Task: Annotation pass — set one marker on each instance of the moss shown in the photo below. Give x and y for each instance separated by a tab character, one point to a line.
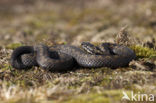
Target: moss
6	67
143	52
106	81
13	46
104	97
21	101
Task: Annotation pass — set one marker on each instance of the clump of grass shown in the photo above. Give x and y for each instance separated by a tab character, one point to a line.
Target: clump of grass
123	37
13	45
143	52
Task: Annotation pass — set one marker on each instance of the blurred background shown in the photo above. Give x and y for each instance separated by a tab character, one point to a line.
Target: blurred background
74	21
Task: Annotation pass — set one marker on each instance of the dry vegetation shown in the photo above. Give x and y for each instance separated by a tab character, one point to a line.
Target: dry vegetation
74	21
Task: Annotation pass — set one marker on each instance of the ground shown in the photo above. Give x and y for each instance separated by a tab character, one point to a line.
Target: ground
131	22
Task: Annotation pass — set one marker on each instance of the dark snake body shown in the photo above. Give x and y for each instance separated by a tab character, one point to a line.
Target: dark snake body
62	57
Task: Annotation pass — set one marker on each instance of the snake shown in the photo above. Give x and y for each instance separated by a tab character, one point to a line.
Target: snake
63	57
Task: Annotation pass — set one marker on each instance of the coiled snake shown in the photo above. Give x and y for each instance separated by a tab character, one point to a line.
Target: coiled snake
62	57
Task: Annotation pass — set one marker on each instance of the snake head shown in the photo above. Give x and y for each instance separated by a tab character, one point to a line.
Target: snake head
92	49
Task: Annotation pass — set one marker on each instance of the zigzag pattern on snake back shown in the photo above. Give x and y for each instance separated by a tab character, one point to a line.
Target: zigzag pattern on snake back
63	57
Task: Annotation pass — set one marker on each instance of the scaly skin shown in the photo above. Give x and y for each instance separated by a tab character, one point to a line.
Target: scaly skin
63	57
123	55
18	56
